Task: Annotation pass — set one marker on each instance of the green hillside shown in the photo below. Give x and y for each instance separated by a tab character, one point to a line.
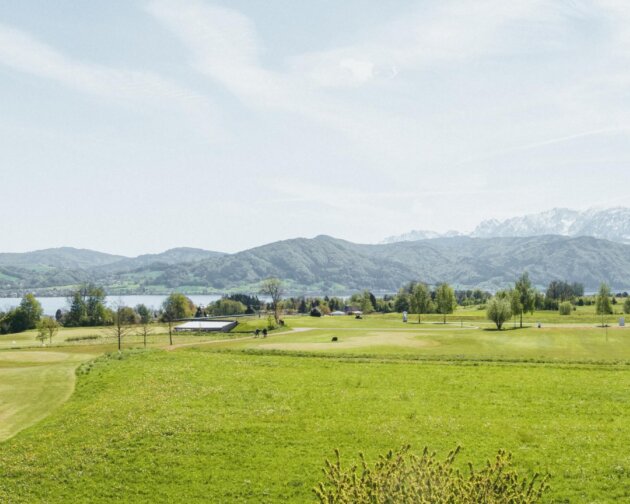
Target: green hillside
329	265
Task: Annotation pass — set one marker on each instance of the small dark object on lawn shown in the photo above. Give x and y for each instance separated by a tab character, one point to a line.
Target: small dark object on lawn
264	333
358	317
257	333
281	322
334	338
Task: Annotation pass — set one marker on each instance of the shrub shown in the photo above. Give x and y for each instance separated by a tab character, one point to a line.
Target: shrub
565	308
315	312
626	305
406	478
82	338
271	323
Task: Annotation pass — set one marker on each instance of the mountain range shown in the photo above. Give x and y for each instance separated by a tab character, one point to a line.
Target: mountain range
609	224
326	265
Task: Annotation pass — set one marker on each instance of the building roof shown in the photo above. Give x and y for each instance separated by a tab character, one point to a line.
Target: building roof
207	325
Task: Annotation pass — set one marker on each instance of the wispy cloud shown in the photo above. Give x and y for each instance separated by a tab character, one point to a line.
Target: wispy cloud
225	47
22	52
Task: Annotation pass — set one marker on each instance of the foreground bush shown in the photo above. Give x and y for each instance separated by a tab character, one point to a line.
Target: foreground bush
403	477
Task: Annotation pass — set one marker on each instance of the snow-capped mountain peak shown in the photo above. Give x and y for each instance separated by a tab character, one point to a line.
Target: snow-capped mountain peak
608	223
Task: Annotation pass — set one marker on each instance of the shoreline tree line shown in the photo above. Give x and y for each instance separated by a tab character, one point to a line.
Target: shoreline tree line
87	306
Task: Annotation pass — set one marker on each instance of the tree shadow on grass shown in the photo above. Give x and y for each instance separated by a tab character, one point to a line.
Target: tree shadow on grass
504	329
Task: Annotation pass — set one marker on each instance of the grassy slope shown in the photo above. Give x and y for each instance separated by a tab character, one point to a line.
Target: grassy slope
32	384
191	426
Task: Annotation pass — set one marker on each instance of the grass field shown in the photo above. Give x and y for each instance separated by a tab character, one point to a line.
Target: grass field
252	420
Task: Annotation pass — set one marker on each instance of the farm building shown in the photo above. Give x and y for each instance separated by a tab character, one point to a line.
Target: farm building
207	326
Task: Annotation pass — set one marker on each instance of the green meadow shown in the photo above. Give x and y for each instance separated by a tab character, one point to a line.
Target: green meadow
231	418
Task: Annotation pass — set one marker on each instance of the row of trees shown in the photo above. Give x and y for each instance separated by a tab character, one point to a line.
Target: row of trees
522	299
87	305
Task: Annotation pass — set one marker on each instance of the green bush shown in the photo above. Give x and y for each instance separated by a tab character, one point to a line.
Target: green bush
403	477
565	308
626	306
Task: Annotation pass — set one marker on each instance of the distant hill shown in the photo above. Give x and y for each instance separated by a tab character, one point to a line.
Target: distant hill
64	257
55	271
172	256
609	224
329	265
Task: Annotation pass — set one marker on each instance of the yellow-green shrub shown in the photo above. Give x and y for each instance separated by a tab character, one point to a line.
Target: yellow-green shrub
403	477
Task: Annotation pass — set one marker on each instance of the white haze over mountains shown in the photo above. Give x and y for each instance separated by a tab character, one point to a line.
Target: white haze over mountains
609	224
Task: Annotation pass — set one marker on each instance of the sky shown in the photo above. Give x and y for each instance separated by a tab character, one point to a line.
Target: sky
134	126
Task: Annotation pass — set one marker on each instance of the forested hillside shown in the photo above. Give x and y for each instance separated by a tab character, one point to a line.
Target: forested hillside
326	264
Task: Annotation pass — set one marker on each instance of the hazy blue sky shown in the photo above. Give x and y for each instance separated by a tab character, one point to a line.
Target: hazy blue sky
133	126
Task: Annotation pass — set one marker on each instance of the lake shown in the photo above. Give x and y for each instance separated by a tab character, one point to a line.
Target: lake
52	304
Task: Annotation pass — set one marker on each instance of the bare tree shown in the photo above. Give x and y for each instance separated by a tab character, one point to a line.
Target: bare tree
272	287
169	317
146	318
47	327
123	317
145	329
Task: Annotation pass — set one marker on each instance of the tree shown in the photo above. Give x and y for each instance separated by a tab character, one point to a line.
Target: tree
87	307
626	306
302	307
144	314
366	302
96	312
175	307
25	316
31	311
445	300
145	319
47	327
499	310
272	287
179	306
602	302
123	317
41	337
420	299
78	312
526	296
515	303
402	301
227	306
